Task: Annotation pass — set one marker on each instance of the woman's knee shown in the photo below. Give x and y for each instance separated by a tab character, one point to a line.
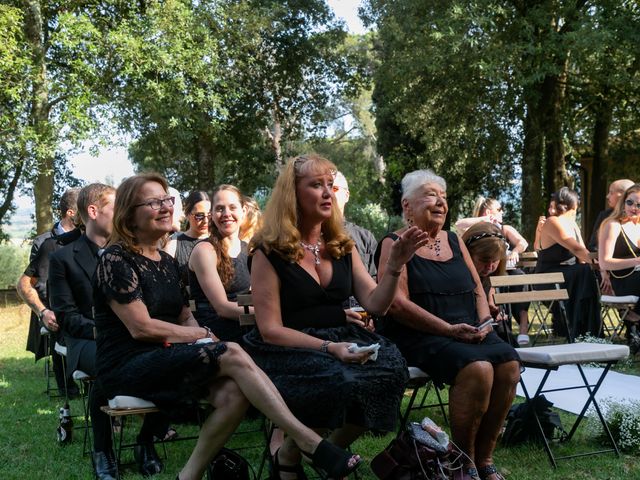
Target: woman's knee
507	373
476	379
235	357
226	393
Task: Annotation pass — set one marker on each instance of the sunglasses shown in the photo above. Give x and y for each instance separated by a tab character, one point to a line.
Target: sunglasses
201	216
630	203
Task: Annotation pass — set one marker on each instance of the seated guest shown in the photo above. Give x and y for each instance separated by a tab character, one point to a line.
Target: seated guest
619	253
252	218
488	249
551	210
71	295
434	321
616	190
303	267
150	346
563	250
197	209
218	269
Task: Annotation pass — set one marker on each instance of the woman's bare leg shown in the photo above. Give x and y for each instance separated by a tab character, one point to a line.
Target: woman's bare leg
345	436
230	406
506	376
468	402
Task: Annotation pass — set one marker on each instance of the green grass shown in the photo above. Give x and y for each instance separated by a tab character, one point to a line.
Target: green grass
29	450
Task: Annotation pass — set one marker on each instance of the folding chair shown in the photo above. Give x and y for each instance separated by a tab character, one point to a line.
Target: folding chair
48	370
614	310
419	379
542	313
550	358
86	384
527	261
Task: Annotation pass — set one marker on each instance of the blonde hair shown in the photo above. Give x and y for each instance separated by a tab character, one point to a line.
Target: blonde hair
486	242
252	218
280	231
618	214
481	206
124	209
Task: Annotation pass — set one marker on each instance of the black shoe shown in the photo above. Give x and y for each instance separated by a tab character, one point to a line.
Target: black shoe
147	459
104	465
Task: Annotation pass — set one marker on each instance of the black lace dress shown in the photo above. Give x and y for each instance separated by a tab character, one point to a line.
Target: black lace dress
168	375
320	390
227	329
626	281
583	306
445	289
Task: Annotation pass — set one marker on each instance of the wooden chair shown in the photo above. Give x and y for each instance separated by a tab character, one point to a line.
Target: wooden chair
614	310
536	297
550	357
527	261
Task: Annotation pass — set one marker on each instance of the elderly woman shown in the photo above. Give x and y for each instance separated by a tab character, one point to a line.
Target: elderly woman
619	253
563	250
304	266
434	321
218	269
150	346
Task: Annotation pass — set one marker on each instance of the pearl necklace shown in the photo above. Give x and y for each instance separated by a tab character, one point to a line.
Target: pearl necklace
315	249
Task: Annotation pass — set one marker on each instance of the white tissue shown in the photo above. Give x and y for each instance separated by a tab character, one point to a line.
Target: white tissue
373	348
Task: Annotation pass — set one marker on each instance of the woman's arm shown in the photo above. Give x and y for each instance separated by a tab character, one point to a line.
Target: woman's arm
517	241
607	237
463	224
141	326
554	229
203	261
377	299
408	313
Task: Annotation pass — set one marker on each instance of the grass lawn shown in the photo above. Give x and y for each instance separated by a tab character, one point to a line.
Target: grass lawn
29	450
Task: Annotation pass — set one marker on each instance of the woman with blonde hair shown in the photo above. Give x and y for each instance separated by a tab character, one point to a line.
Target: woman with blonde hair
333	373
619	253
150	346
252	218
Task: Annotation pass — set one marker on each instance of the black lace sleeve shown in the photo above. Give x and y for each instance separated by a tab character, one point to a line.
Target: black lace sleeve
117	277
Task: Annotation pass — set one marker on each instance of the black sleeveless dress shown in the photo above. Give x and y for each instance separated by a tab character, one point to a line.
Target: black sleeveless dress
184	246
320	390
627	281
226	329
169	375
445	289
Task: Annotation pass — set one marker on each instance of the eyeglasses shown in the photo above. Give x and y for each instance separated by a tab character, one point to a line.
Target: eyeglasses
157	203
201	216
630	203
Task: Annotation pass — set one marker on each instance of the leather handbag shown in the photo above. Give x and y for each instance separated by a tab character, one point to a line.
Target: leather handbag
229	465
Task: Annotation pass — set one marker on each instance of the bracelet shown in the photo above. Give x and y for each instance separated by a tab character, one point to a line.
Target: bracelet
41	314
209	332
395	273
324	348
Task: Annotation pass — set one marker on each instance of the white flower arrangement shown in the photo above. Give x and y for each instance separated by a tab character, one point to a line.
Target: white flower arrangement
623	419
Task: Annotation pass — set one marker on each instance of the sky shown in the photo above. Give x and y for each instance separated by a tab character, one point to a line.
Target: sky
112	164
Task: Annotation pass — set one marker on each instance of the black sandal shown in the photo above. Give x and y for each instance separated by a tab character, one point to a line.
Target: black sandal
334	461
489	470
277	468
470	473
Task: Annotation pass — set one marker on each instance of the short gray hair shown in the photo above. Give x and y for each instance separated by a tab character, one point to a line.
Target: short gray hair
414	180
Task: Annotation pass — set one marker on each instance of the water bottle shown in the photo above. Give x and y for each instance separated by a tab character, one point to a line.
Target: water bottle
65	428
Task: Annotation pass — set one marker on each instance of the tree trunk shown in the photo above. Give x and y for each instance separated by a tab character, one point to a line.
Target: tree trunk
533	197
44	144
206	163
553	97
276	140
596	200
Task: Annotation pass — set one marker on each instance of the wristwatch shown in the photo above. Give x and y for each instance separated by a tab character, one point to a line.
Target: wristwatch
41	314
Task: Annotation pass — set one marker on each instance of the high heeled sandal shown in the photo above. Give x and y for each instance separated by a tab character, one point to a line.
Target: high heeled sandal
298	469
489	470
470	473
334	461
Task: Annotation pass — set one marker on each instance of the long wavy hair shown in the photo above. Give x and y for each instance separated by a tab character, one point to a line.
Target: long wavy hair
485	242
618	214
252	218
280	231
124	210
219	242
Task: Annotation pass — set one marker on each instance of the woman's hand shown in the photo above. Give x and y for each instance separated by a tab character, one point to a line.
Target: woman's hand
467	333
405	246
513	258
341	352
363	321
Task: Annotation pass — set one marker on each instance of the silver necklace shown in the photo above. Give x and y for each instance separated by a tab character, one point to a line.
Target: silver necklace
315	249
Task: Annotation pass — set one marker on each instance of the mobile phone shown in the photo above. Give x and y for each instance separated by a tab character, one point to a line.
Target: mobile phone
488	323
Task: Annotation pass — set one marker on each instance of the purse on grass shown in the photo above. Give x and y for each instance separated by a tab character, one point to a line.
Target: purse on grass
229	465
406	458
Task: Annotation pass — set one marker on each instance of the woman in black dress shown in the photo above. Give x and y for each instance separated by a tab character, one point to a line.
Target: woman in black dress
150	346
619	252
434	321
303	268
218	269
563	250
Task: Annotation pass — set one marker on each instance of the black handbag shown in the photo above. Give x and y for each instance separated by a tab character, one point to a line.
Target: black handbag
229	465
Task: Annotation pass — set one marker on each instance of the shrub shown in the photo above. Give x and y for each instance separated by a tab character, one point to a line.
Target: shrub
623	420
13	260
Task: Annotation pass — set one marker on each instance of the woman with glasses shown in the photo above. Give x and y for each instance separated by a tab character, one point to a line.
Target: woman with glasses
333	373
619	253
197	209
150	346
562	249
218	269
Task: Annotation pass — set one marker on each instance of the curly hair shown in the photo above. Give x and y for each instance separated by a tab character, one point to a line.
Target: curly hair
124	209
486	242
280	232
